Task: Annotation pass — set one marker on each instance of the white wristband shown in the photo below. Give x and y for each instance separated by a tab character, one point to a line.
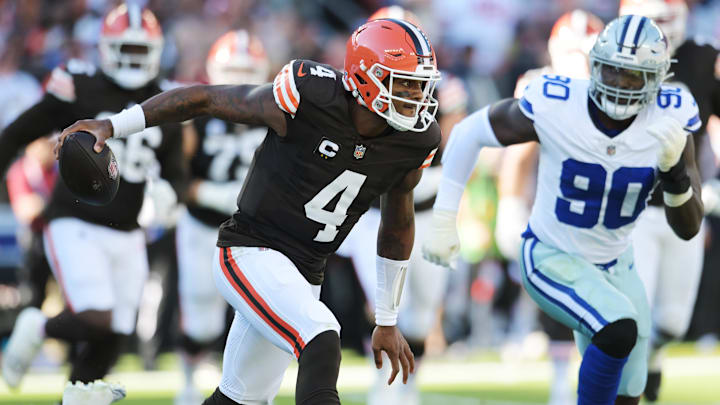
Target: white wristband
128	121
676	200
390	282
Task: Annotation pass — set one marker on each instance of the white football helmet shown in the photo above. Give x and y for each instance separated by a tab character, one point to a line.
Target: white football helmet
130	45
237	57
572	37
632	45
669	15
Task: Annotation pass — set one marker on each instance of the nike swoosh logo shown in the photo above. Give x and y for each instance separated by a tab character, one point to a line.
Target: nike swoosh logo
300	71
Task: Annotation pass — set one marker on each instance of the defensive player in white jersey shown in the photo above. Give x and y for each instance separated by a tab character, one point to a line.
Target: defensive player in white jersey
604	144
221	155
571	39
670	267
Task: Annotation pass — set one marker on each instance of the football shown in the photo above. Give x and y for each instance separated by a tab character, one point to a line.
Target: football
92	177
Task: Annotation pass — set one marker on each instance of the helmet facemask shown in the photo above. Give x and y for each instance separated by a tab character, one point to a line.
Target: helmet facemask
396	93
131	64
620	102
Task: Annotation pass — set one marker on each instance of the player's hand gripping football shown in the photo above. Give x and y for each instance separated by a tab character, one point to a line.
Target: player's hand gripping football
388	339
442	245
101	129
672	137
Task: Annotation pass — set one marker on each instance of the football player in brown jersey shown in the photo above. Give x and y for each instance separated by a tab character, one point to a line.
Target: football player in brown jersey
336	141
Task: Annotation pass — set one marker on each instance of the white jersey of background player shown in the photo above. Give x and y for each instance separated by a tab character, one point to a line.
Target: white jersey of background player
669	267
571	39
220	155
604	143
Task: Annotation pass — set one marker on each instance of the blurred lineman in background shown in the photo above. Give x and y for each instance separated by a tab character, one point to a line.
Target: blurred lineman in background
220	154
611	142
671	267
97	253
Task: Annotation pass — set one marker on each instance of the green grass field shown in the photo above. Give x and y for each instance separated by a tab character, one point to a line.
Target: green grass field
689	378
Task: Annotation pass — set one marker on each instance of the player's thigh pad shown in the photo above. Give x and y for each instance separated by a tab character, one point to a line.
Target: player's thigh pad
648	243
679	276
80	264
581	295
269	291
99	268
424	288
253	367
202	308
361	247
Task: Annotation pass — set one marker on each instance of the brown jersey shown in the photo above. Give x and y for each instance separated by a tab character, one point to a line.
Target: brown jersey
305	191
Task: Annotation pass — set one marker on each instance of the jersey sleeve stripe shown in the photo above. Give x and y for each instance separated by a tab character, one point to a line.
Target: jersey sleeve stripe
429	159
526	108
281	98
61	85
693	123
291	90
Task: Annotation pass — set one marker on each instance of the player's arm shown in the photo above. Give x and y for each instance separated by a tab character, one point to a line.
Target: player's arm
501	124
246	104
394	244
681	193
46	116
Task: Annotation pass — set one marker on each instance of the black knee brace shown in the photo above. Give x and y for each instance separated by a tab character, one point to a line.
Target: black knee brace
218	398
617	339
319	364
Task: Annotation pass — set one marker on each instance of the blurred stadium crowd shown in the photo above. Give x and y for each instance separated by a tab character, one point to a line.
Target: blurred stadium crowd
487	44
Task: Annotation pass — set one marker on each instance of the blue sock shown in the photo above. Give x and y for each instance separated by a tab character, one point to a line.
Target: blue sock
599	377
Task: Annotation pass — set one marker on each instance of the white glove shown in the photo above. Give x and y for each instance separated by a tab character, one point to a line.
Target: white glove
672	137
510	222
442	245
159	205
94	393
711	197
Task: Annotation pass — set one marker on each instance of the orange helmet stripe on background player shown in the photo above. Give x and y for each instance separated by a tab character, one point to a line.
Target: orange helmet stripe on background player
237	57
130	25
571	39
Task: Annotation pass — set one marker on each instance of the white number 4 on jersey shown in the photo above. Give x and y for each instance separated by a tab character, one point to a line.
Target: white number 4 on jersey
348	183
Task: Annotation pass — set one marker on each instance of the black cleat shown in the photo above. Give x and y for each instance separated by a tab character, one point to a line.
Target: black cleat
652	387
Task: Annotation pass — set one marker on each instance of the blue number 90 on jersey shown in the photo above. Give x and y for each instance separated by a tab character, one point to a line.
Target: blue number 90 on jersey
584	198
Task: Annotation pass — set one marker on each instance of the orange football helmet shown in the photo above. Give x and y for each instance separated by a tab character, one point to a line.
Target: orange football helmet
397	13
130	45
572	37
384	51
237	57
669	15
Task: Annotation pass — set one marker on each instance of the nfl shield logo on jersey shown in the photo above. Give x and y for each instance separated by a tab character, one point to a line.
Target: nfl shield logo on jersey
611	150
359	151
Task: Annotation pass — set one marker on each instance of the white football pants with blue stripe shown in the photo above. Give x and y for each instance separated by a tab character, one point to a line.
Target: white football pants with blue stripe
587	297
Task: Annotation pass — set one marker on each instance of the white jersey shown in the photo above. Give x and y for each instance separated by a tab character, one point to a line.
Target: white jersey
591	186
